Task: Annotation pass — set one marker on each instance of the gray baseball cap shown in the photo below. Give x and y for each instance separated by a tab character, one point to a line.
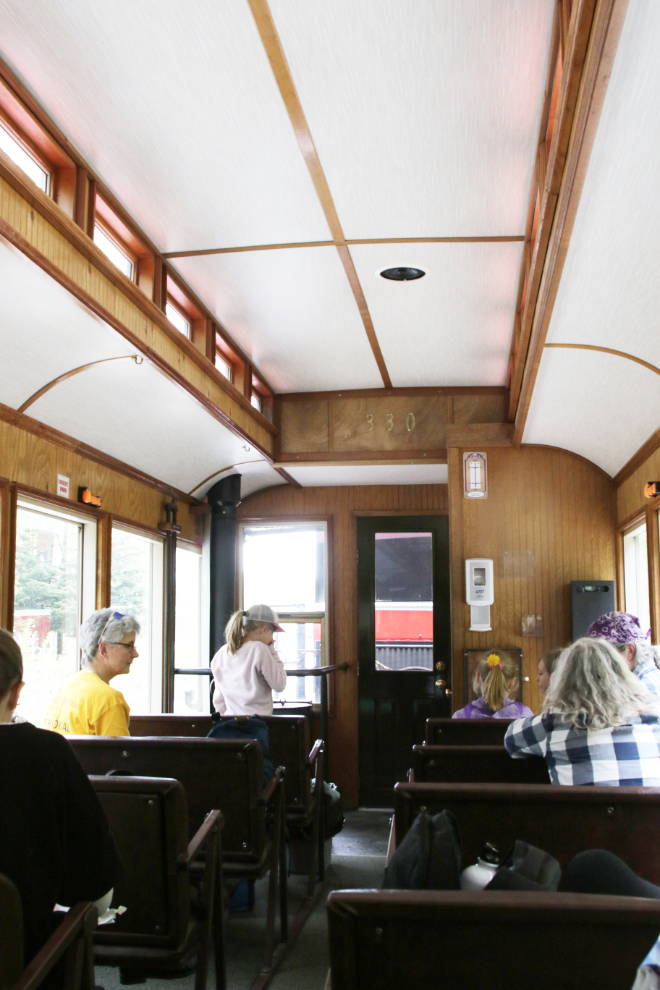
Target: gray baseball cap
262	613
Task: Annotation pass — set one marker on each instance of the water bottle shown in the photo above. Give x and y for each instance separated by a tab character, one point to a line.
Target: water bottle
478	876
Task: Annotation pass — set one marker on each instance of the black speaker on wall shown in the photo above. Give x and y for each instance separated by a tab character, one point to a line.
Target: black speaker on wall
589	599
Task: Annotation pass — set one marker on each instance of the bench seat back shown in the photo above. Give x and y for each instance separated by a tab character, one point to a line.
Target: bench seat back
464	731
487	940
561	820
215	773
288	740
475	765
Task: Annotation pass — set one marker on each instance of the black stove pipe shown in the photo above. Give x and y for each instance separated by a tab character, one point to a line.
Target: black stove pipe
224	498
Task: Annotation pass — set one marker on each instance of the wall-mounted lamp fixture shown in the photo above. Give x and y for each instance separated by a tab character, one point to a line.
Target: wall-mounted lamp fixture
652	488
475	475
86	497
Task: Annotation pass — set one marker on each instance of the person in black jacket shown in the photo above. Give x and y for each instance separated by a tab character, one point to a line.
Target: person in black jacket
55	843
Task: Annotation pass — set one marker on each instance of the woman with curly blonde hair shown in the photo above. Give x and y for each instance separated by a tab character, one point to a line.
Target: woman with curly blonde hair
599	724
494	680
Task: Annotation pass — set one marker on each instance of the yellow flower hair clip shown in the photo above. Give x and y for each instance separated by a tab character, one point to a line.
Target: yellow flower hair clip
494	661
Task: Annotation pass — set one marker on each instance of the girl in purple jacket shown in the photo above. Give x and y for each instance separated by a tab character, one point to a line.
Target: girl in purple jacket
493	679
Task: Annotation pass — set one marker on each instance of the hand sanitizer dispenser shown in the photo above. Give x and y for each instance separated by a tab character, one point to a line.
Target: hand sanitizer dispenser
479	592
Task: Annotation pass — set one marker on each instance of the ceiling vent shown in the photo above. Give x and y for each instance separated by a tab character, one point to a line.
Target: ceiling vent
402	274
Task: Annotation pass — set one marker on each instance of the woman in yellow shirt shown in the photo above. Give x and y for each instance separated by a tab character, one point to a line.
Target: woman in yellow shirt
87	705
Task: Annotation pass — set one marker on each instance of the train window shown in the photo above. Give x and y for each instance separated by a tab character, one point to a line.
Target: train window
191	693
54	590
177	319
285	566
137	587
404	601
112	250
256	401
223	366
636	574
25	160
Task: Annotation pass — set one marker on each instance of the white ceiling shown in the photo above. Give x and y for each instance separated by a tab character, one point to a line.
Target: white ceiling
425	115
609	294
44	331
293	312
595	404
313	476
195	140
452	326
255	475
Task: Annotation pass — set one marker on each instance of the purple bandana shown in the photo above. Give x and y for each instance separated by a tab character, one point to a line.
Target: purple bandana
618	627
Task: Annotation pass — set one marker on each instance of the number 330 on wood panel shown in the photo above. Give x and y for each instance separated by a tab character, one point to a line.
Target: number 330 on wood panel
389	422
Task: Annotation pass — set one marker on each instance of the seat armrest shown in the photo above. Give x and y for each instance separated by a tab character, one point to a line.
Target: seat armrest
199	839
317	748
272	786
81	919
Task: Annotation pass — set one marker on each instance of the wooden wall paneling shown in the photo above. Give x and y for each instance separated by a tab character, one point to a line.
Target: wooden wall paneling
304	425
104	561
480	435
8	505
653	550
34	462
480	408
390	423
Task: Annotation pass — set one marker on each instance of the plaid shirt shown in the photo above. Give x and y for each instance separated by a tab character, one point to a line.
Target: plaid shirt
625	755
649	675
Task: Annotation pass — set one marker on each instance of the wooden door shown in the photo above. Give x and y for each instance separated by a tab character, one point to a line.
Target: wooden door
404	648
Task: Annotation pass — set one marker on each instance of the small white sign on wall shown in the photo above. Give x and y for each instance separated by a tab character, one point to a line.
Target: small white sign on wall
62	486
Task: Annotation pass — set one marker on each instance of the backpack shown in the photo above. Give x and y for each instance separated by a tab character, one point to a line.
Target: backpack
246	727
333	811
526	868
430	856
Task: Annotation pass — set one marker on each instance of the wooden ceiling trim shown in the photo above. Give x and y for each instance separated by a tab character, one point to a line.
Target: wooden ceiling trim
220	471
567	171
569	60
29	425
278	63
204	252
69	374
607	350
404	392
316	457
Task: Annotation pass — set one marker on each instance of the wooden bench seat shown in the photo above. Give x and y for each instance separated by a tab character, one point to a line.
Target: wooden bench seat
487	940
464	731
475	765
223	774
289	744
561	820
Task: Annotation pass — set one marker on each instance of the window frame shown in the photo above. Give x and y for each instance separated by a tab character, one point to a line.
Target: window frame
28	147
327	617
631	530
204	660
121	246
156	669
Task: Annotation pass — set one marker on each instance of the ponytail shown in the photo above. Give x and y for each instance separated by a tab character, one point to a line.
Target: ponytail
237	629
499	675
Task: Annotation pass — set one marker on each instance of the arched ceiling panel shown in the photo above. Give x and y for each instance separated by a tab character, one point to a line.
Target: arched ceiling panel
595	404
452	327
609	295
255	475
135	414
293	312
315	475
44	330
425	115
176	107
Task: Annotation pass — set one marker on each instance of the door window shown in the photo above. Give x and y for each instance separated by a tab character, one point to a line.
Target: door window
404	601
636	574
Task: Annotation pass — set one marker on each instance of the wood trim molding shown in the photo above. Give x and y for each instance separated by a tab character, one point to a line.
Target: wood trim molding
620	573
632	520
204	252
480	435
70	374
648	447
597	37
607	350
278	63
8	506
33	426
219	471
287	477
379	393
363	457
653	554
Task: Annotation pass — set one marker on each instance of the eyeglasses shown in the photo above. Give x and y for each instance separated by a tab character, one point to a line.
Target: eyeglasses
128	646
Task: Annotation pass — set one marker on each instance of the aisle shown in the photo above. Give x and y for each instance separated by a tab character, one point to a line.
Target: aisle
358	860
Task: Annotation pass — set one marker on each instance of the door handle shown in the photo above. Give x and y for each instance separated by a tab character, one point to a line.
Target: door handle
439	665
441	683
